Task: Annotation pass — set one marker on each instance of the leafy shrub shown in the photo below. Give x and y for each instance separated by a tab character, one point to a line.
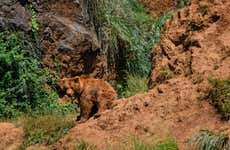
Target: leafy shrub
207	140
45	129
34	23
22	80
129	31
219	96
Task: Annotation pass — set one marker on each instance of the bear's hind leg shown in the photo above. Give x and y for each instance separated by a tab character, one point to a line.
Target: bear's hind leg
103	103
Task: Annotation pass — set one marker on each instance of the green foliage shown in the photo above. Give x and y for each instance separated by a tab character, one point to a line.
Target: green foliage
34	23
23	81
167	144
45	129
134	84
129	30
121	89
207	140
219	96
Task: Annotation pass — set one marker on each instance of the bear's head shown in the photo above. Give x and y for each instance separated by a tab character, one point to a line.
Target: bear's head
71	86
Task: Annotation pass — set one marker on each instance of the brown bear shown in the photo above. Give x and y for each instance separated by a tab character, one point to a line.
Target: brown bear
94	95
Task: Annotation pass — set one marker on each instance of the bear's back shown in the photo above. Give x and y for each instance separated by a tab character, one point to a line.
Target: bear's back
98	85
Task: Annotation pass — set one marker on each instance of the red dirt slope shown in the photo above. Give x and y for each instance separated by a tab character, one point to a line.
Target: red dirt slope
195	42
170	108
10	136
195	45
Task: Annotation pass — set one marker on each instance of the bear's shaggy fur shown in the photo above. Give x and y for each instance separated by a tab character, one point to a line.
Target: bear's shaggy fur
94	95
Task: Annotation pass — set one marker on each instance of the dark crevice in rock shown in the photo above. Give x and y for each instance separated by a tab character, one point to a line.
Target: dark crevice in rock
164	52
193	26
181	40
23	2
214	18
191	43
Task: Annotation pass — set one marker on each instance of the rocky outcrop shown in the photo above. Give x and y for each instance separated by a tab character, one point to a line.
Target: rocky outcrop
68	40
14	15
194	43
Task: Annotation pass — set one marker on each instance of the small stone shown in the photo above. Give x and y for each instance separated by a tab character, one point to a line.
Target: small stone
5	8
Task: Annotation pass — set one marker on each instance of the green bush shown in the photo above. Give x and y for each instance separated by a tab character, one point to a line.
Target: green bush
207	140
219	96
22	80
129	30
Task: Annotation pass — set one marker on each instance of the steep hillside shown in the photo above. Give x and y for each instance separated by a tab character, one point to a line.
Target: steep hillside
194	47
171	108
194	43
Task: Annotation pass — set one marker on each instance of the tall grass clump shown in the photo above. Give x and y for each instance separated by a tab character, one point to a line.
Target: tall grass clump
45	129
135	84
166	144
136	144
219	96
207	140
127	32
84	146
22	79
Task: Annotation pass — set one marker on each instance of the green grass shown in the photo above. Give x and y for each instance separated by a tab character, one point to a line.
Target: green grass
166	144
129	31
219	96
164	74
45	129
207	140
84	146
135	84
